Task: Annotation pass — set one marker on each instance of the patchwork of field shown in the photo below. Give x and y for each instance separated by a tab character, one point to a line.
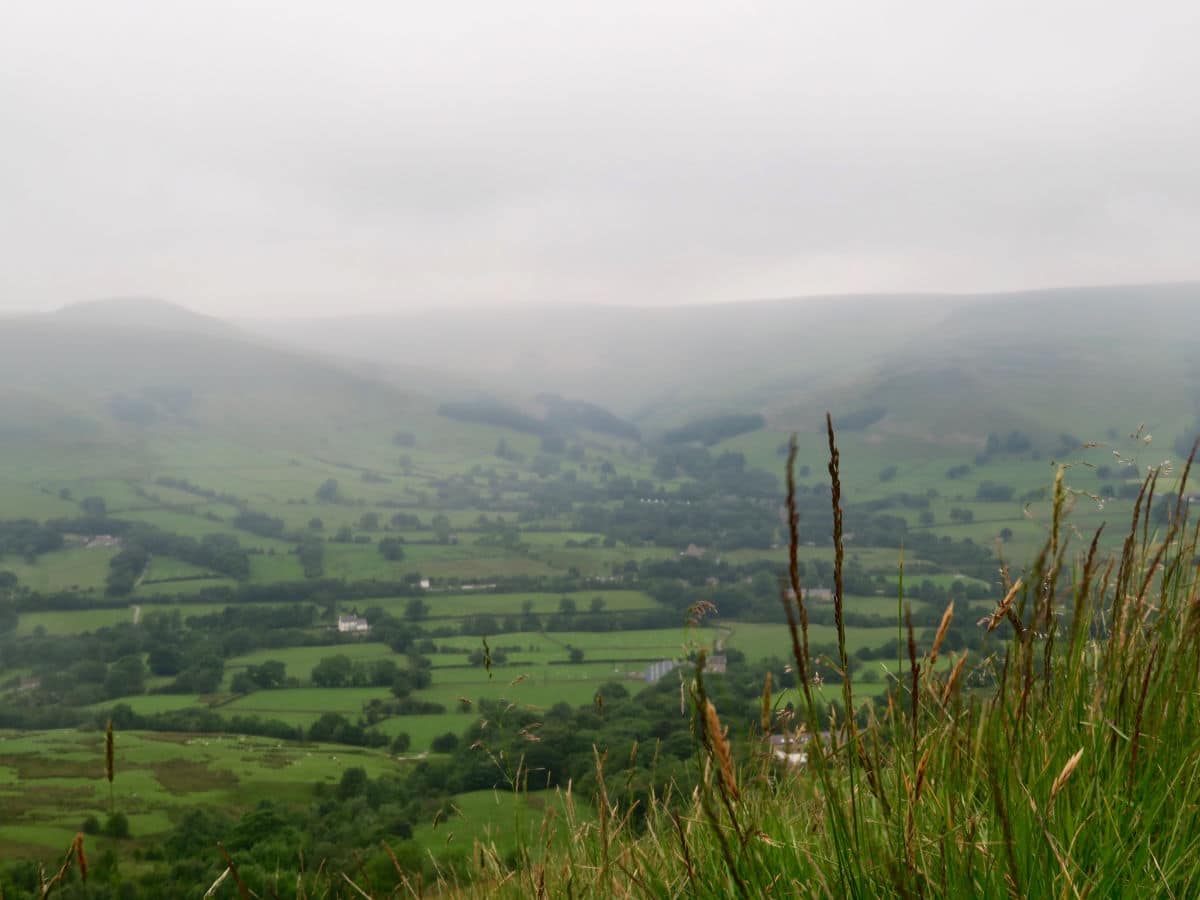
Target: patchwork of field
282	484
51	781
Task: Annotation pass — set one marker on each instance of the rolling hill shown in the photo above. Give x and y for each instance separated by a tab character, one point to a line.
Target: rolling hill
111	369
944	367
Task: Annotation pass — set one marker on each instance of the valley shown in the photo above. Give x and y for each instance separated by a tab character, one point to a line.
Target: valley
180	540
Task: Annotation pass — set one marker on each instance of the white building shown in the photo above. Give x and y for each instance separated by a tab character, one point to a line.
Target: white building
353	624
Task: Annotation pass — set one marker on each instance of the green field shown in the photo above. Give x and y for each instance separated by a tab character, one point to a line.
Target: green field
76	567
79	621
459	605
50	781
73	622
498	818
761	642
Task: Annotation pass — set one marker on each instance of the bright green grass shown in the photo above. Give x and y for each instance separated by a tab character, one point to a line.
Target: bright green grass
21	500
150	704
422	729
76	567
529	686
499	818
279	566
759	641
72	621
304	704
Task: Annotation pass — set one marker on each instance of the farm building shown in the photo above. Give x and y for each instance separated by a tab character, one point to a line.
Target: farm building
353	624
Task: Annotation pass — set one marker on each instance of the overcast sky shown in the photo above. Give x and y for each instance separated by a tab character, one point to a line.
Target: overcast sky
301	157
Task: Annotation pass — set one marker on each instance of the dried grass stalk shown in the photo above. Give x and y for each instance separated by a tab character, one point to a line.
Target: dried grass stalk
1005	606
1061	780
720	748
941	633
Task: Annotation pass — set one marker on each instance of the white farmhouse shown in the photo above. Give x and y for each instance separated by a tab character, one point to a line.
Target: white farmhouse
353	624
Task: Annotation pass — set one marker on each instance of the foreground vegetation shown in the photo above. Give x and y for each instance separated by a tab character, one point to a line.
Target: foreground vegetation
1060	763
1076	775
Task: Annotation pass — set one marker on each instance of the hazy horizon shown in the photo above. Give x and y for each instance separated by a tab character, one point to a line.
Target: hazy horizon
278	159
237	317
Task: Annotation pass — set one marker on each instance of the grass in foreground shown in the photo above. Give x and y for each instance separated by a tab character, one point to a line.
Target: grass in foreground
1076	775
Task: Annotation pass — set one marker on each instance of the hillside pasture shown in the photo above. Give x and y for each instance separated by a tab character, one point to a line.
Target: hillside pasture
50	781
74	568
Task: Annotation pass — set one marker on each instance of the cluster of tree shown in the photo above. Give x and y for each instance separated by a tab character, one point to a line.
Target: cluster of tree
406	521
259	523
1015	442
328	491
79	670
508	454
28	538
9	617
182	484
219	552
341	671
391	549
490	412
266	676
724	473
714	429
572	415
996	493
861	419
311	553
